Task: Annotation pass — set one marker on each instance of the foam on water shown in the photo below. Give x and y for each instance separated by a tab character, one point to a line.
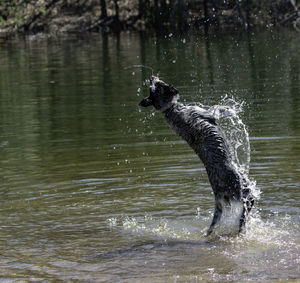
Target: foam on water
265	250
163	228
258	233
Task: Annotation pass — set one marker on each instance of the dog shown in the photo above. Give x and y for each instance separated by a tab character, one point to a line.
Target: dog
201	131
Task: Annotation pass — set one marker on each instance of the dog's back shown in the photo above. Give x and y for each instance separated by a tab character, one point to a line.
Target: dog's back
200	130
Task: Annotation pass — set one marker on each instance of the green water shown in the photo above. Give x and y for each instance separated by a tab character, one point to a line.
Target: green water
95	189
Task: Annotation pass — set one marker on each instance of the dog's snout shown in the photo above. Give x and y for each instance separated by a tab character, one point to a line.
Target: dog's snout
145	102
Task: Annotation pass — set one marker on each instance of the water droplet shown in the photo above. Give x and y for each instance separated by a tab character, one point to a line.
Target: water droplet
112	222
174	61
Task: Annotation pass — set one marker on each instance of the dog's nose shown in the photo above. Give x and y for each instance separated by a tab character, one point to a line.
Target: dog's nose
145	102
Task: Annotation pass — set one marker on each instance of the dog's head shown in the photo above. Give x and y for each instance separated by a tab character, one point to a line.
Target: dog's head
161	95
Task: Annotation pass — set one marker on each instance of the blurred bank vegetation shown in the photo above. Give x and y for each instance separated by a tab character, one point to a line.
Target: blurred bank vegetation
59	16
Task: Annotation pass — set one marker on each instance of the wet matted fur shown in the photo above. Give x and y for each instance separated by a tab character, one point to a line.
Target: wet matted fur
200	130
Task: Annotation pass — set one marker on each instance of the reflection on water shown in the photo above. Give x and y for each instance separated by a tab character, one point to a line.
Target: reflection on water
94	188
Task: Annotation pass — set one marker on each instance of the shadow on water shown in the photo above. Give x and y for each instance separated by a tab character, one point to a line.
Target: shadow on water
149	246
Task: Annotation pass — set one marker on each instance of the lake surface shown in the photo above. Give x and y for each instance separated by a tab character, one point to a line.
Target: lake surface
95	189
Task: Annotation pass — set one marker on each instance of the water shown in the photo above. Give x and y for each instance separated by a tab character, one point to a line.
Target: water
95	189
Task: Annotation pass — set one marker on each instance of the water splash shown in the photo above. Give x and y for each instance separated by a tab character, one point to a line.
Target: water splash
229	222
227	113
236	133
259	232
162	228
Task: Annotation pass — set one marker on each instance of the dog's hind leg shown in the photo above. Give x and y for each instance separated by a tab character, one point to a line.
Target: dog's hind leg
248	202
217	216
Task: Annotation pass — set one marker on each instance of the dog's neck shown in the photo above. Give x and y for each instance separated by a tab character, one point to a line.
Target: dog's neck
170	104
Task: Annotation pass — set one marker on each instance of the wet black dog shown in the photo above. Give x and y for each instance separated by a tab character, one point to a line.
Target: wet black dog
200	130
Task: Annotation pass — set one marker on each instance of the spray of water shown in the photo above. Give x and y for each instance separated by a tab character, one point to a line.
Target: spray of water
227	113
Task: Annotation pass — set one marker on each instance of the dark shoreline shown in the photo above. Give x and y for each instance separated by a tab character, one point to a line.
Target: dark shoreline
57	17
